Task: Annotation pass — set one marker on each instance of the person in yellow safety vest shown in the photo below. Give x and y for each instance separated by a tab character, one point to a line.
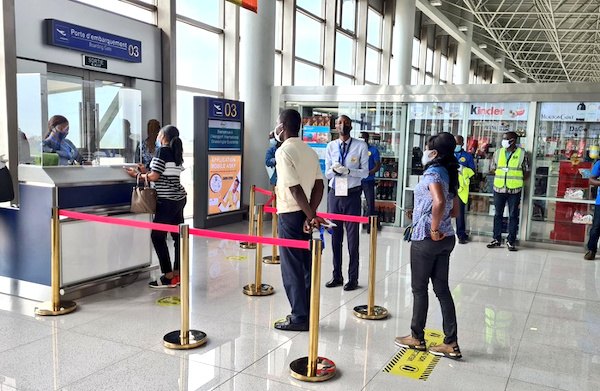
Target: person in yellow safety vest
466	171
510	166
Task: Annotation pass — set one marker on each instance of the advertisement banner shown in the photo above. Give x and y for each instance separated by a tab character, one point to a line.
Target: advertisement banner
224	135
317	138
224	183
436	111
570	112
510	111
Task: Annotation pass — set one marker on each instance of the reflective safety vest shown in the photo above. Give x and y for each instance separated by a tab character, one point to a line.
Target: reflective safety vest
464	179
509	174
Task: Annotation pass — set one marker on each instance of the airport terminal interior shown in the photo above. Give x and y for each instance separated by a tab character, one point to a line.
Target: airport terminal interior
76	260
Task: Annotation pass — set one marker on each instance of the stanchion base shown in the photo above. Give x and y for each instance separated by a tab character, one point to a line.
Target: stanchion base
325	369
265	290
269	260
172	340
362	311
47	309
248	245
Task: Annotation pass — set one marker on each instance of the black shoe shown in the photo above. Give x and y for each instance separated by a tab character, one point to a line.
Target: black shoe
351	285
462	241
287	325
590	255
494	243
511	246
335	282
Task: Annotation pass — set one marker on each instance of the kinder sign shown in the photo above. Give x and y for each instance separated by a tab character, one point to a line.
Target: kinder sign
498	111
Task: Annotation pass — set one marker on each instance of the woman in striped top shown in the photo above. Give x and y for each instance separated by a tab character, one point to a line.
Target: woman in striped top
165	170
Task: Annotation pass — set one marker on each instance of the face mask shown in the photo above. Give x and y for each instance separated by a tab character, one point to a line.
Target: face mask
273	142
61	135
458	148
158	144
277	135
345	131
505	143
426	158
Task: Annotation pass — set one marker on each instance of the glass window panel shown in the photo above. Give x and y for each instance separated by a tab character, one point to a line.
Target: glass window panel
277	72
341	80
429	61
29	112
197	68
279	25
428	80
372	66
205	11
65	96
344	53
374	28
306	75
313	6
349	15
414	77
308	38
416	50
443	67
122	8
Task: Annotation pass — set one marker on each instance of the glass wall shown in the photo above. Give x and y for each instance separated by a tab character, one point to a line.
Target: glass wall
425	120
384	122
566	146
487	123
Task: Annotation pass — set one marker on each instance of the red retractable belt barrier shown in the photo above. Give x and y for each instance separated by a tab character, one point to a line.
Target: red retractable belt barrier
263	191
301	244
332	216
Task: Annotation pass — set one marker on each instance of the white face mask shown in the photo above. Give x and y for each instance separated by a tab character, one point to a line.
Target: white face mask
505	143
277	135
427	157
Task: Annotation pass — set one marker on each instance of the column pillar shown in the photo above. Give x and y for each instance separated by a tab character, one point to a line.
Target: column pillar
404	32
9	141
498	76
257	48
166	23
463	60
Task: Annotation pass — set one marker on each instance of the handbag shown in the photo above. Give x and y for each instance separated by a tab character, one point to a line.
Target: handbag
408	231
143	198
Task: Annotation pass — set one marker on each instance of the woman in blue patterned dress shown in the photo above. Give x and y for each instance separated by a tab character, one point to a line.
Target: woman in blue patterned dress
433	240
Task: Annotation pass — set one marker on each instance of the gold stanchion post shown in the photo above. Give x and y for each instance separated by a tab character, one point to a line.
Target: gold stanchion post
273	259
371	311
314	368
252	218
258	288
184	338
55	306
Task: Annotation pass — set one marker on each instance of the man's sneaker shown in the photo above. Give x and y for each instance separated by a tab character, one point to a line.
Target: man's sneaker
494	243
590	256
446	351
462	241
511	246
164	282
410	342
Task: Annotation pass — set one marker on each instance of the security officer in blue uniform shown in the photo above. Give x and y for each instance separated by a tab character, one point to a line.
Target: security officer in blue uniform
465	159
346	164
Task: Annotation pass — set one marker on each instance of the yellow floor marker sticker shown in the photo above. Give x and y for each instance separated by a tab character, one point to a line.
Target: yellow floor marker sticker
168	301
237	258
413	363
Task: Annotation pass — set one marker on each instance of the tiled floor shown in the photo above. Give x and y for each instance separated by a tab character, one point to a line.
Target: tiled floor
527	321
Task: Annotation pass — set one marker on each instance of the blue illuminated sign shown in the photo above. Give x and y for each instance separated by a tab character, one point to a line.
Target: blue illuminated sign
80	38
224	109
224	135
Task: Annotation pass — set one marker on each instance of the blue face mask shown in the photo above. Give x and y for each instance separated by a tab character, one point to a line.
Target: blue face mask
158	144
457	149
273	142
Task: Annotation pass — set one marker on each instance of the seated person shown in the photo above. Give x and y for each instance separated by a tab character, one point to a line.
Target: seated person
56	141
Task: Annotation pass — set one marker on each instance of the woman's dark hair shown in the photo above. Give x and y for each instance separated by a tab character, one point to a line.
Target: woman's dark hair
53	122
171	134
153	129
444	143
